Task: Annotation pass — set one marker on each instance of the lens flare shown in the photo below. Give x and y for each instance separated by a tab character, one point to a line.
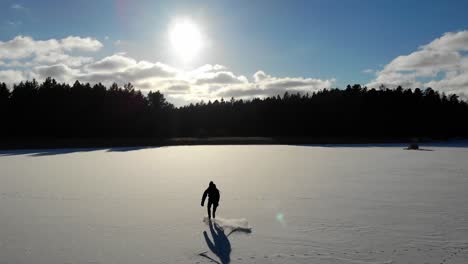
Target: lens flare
280	218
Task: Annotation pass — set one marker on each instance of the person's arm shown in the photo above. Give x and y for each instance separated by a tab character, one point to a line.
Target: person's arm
219	197
204	197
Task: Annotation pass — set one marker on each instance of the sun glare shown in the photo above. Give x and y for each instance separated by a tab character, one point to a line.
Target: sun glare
186	39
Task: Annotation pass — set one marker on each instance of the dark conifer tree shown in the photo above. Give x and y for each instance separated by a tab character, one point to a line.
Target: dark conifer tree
53	110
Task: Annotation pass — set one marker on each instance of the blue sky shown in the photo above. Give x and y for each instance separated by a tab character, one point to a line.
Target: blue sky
316	39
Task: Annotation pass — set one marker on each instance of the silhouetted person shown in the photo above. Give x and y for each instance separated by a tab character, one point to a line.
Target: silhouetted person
213	198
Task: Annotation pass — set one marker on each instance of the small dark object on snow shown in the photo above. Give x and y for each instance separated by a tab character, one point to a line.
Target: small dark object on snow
413	146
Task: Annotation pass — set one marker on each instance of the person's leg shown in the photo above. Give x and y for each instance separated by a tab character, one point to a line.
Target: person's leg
214	210
209	210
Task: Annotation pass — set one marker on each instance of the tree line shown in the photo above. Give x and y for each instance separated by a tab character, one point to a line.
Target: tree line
59	110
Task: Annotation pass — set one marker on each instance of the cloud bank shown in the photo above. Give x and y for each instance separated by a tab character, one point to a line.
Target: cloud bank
71	59
442	64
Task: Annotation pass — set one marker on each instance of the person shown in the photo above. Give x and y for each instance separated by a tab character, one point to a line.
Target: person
213	199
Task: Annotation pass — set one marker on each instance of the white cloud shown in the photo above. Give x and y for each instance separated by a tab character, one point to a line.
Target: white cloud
123	69
442	64
57	58
112	63
11	76
84	44
450	41
23	51
221	77
267	85
23	46
207	82
260	76
296	83
61	72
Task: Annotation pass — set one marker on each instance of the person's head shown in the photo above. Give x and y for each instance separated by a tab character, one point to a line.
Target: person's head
211	184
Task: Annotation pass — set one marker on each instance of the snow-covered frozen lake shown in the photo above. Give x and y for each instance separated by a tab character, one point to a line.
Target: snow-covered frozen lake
305	204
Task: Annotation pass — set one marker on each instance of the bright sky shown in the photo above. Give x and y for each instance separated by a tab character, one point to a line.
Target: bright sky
193	50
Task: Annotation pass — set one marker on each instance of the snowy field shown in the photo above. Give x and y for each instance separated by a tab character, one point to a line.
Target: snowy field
304	204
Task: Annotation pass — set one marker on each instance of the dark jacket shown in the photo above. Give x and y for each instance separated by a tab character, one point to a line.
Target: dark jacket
213	195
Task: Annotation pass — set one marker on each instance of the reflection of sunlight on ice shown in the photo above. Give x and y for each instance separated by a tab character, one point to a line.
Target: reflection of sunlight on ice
280	218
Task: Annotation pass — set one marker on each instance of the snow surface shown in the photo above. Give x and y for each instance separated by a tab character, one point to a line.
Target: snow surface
305	204
230	225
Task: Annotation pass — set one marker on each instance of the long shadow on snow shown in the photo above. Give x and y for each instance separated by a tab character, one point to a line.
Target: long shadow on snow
45	152
220	246
423	146
62	151
127	149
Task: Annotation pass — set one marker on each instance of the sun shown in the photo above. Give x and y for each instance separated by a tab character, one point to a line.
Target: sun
186	39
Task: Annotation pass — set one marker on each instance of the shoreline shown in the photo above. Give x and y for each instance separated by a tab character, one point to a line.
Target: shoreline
53	143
